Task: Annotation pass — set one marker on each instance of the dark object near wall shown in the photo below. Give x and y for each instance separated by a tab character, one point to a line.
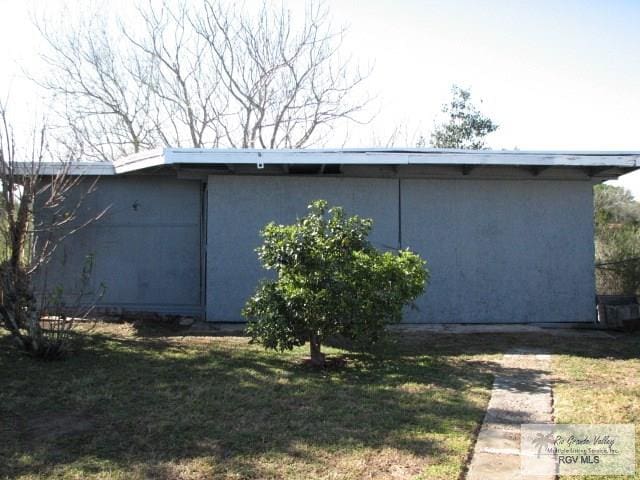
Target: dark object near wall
618	312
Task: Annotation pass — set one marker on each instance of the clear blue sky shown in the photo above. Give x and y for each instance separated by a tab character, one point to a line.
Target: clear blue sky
556	75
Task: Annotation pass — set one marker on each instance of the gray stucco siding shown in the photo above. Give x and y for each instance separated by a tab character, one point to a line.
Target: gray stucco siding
146	248
502	251
499	251
240	206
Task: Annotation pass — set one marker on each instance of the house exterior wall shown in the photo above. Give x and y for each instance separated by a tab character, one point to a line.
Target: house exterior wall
146	248
499	251
502	251
240	206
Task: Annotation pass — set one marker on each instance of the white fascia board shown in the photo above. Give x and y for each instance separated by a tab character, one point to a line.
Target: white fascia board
141	160
402	157
374	156
296	157
625	160
56	168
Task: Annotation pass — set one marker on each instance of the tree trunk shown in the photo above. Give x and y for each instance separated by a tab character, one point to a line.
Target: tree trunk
12	326
317	357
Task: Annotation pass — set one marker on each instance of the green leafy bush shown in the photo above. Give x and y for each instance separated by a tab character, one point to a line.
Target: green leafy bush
618	259
617	241
330	281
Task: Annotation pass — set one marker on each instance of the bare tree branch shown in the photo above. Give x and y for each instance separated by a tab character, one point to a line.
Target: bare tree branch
38	213
203	74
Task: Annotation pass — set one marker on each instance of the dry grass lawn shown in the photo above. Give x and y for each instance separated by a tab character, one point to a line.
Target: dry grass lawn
138	403
599	382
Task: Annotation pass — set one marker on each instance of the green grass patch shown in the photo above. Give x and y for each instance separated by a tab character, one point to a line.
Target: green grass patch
132	406
135	404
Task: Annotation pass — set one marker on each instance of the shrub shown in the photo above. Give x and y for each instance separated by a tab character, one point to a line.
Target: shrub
617	241
37	213
329	281
43	327
618	259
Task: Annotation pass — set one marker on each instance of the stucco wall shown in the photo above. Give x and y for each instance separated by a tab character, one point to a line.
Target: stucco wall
498	250
239	206
146	248
502	251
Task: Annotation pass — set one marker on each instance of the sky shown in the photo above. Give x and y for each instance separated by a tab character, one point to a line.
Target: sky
555	75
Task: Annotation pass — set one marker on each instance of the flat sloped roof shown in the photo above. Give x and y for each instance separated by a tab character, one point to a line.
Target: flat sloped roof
626	161
375	156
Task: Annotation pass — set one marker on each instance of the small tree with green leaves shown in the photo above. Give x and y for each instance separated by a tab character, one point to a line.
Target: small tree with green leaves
330	281
465	126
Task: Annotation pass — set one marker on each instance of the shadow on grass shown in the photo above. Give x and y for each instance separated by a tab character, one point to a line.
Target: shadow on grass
138	404
146	404
614	345
578	342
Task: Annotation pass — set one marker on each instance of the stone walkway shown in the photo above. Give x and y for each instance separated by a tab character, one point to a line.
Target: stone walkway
521	394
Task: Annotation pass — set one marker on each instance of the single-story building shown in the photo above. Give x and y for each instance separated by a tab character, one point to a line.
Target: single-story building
508	235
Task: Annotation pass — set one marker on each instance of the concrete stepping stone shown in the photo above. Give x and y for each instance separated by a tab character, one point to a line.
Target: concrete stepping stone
521	394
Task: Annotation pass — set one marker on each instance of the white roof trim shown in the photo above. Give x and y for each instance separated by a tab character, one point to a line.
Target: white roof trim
350	156
74	168
138	161
375	156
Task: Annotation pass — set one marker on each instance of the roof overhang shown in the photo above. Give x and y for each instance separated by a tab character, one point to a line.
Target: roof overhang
375	156
69	168
595	162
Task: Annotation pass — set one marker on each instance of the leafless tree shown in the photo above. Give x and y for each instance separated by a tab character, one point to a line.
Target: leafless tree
38	212
96	90
92	91
186	95
284	84
202	74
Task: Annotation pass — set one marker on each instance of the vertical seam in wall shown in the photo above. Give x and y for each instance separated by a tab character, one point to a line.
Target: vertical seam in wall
399	213
203	247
